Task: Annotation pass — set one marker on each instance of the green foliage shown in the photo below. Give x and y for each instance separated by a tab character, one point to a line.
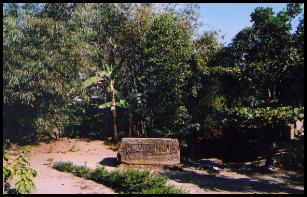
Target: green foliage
220	72
163	190
134	181
87	69
166	59
269	58
99	173
130	181
82	171
63	166
42	62
207	47
291	156
255	117
17	170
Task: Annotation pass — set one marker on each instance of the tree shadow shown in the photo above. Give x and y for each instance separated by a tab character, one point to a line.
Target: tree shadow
217	182
241	168
109	161
296	179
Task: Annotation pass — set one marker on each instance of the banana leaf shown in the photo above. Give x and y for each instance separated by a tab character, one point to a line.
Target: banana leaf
91	81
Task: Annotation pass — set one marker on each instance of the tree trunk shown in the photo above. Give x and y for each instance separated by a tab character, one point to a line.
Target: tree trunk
130	124
270	155
113	110
56	133
115	127
269	93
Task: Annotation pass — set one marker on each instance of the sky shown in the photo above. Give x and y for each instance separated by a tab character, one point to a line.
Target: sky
230	18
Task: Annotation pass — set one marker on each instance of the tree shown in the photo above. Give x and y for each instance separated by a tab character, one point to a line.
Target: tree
108	38
207	46
267	59
168	49
41	62
266	51
107	78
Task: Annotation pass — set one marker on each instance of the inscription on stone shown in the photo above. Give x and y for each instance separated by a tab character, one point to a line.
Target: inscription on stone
164	151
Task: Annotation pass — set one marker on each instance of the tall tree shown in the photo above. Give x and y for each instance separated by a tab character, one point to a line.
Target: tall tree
168	49
41	60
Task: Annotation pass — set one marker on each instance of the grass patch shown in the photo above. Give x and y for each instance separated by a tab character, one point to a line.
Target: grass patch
129	181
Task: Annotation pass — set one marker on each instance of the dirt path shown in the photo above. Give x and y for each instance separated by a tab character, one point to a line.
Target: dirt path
51	181
191	180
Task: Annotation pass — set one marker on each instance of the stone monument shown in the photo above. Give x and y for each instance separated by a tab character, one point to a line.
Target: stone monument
149	151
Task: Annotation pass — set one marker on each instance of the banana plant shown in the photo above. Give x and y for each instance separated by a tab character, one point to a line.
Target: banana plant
108	76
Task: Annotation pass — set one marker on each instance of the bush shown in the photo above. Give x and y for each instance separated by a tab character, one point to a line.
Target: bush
63	166
99	174
135	181
82	171
266	116
292	157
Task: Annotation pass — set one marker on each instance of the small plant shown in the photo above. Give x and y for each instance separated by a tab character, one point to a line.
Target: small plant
16	170
50	161
73	148
114	147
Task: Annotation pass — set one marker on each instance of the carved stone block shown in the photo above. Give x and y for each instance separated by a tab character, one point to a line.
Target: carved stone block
161	151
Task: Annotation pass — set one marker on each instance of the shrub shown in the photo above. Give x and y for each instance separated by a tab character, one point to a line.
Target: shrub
129	181
246	116
63	166
17	170
292	157
100	175
82	171
134	181
166	189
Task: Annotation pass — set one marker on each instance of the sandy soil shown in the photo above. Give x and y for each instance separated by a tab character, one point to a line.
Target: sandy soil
51	181
96	152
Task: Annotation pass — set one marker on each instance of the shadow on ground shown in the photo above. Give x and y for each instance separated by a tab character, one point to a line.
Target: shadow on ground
109	161
250	169
221	183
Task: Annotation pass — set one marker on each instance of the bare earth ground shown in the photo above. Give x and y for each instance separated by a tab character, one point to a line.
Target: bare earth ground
193	181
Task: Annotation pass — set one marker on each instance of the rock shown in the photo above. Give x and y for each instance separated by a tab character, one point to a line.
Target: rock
161	151
215	168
